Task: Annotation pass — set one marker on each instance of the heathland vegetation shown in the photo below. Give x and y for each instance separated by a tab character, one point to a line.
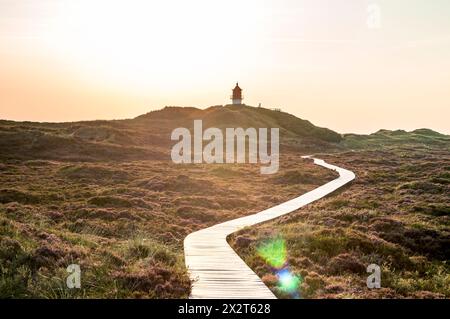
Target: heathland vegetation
105	195
395	214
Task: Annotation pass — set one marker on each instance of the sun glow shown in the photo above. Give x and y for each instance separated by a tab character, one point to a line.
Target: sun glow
142	43
71	60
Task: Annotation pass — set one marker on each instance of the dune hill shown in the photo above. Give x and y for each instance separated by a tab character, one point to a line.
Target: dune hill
387	138
148	136
105	195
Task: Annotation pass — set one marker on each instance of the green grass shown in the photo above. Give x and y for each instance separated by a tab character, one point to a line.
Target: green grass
395	215
123	222
104	195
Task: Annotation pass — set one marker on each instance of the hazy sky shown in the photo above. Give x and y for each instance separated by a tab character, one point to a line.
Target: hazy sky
63	60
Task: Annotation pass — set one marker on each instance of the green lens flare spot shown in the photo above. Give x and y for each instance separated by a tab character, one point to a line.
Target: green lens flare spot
274	252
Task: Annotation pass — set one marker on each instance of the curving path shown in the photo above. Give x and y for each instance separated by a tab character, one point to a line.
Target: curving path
215	268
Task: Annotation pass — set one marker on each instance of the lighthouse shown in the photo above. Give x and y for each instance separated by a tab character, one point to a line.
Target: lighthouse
237	95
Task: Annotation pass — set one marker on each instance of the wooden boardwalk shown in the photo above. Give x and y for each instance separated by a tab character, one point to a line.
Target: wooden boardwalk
215	268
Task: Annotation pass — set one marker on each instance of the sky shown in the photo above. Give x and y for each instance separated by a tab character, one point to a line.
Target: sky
350	65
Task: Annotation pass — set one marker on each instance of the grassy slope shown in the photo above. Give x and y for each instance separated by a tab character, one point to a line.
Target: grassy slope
103	194
123	223
384	139
395	214
106	196
147	136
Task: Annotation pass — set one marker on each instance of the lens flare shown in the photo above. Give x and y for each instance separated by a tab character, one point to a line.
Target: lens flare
274	252
288	282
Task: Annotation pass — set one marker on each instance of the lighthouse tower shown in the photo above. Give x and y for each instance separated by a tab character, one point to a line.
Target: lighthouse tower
237	95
